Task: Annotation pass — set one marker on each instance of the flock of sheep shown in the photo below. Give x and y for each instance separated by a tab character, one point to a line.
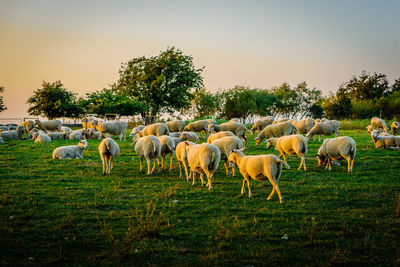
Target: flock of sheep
225	142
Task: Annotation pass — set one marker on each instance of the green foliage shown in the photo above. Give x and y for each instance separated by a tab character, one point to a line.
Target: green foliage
2	106
367	86
164	83
204	104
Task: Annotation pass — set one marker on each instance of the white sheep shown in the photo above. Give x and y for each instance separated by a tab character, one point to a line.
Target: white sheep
198	126
203	159
167	147
395	128
390	142
334	149
66	129
52	125
42	138
156	129
379	123
34	133
57	135
181	156
235	127
218	135
259	125
304	125
148	147
108	150
70	152
115	127
13	134
189	136
322	128
176	126
175	134
28	125
225	145
136	130
75	135
276	130
259	168
321	120
290	145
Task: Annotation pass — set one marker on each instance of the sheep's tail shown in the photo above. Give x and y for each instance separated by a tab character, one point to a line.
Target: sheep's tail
283	162
212	161
107	144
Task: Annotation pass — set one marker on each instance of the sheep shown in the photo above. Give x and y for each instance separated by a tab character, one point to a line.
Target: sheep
259	125
167	147
42	138
13	134
336	125
225	145
290	145
218	135
378	123
321	120
280	120
395	128
92	134
70	152
29	124
192	136
87	122
12	126
181	157
203	159
175	126
276	130
49	125
66	129
334	149
115	127
34	133
75	135
148	147
156	129
198	126
136	130
235	127
108	150
391	142
234	120
303	125
57	135
322	128
259	168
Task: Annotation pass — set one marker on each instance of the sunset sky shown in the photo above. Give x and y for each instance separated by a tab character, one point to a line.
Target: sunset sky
253	43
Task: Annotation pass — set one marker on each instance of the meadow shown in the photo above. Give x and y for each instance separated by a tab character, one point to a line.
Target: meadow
68	213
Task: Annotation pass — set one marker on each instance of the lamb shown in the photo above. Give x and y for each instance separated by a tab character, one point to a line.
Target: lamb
49	125
13	134
259	168
136	130
391	142
203	159
225	145
115	127
70	152
156	129
175	126
29	124
42	138
108	150
148	147
167	147
395	128
322	128
57	136
181	156
334	149
378	123
303	125
290	145
276	130
218	135
235	127
192	136
198	126
259	125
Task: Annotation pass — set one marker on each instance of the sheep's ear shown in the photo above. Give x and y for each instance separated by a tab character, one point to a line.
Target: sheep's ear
266	141
186	143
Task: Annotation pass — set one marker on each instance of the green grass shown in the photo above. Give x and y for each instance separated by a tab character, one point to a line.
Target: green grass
68	213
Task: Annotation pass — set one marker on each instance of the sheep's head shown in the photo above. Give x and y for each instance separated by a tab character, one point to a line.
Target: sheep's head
211	127
257	139
369	129
269	143
322	161
83	144
375	134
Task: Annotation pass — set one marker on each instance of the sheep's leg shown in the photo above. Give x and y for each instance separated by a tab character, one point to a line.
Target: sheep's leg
154	166
201	178
248	186
275	188
194	176
244	183
170	162
226	167
162	162
352	162
303	159
272	193
348	164
103	160
284	157
141	164
180	169
186	172
209	177
148	166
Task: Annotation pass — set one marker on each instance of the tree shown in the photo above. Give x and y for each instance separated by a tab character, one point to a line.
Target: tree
265	101
51	101
337	106
238	102
367	86
111	101
2	106
396	86
204	104
164	83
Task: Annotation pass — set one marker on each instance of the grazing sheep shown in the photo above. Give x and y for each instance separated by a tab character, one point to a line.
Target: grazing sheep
29	124
304	125
177	141
156	129
181	156
259	168
203	159
115	127
280	120
70	152
66	129
290	145
218	135
42	138
322	128
148	147
276	130
235	127
53	125
189	136
379	123
13	134
198	126
391	142
136	130
334	149
225	145
175	134
259	125
395	128
167	147
234	120
175	126
108	150
57	136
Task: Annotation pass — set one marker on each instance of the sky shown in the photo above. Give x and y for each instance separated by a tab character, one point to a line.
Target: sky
259	44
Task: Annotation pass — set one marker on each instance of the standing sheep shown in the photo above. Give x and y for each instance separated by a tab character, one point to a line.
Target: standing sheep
53	125
334	149
108	150
225	145
181	156
303	125
378	123
395	128
13	134
290	145
175	126
198	126
156	129
218	135
70	152
148	147
259	168
115	127
57	135
235	127
322	128
28	125
276	130
189	136
259	125
167	147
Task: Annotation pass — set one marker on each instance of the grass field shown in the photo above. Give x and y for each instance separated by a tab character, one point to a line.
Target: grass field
68	213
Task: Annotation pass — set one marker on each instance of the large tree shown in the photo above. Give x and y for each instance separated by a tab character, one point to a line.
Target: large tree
204	104
367	86
2	106
164	83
